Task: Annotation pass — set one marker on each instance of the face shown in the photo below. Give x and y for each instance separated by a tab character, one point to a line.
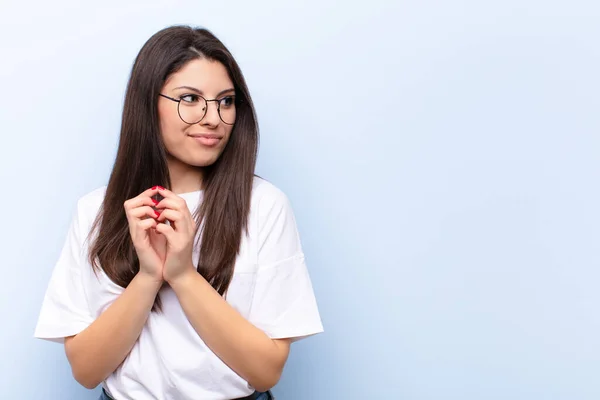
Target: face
200	140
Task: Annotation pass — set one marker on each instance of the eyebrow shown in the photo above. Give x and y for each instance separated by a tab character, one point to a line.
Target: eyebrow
222	92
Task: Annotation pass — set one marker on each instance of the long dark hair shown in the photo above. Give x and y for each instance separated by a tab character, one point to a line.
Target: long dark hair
141	162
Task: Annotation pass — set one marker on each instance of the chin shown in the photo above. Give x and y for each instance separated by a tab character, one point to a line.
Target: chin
204	161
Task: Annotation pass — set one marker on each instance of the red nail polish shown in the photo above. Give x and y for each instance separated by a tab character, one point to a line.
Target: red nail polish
161	188
157	214
155	201
154	187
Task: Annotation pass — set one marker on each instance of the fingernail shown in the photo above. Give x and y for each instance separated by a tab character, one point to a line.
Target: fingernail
154	187
157	214
155	201
161	188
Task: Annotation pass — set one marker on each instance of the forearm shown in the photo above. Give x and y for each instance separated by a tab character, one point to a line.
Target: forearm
99	349
243	347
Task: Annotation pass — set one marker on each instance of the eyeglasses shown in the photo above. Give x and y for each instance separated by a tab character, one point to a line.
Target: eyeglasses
192	108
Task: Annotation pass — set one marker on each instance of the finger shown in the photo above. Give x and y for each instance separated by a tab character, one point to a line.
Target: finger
137	202
171	215
145	224
167	194
166	230
146	211
143	199
177	204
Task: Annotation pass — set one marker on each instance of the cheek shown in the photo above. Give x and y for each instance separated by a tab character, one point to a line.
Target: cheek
171	127
227	132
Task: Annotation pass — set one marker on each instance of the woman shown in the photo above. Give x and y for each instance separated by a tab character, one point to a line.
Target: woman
196	288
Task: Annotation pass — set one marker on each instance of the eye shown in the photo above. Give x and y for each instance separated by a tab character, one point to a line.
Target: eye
189	98
227	101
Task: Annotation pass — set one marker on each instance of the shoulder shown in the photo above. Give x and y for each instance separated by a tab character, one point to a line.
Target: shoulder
93	198
266	196
88	206
275	228
274	218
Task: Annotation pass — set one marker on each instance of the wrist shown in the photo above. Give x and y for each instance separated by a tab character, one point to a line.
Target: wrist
183	278
150	283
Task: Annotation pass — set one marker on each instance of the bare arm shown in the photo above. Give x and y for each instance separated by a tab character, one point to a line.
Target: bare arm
246	349
99	349
242	346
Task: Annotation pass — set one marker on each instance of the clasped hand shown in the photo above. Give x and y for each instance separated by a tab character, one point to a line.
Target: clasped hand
164	249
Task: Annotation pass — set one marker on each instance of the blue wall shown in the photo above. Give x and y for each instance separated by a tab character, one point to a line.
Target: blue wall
441	156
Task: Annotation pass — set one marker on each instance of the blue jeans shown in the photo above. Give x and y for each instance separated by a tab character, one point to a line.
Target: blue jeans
262	396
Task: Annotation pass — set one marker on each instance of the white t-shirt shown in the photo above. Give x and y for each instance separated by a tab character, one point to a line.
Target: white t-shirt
270	287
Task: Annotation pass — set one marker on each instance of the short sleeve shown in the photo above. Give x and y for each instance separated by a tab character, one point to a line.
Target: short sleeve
64	311
284	303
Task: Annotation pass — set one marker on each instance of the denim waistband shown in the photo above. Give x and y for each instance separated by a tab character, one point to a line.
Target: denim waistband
253	396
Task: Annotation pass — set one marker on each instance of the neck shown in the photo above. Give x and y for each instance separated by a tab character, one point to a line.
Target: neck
184	178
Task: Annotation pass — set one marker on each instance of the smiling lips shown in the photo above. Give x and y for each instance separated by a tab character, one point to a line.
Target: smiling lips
207	139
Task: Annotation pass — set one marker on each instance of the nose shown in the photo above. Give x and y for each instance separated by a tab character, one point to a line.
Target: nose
212	114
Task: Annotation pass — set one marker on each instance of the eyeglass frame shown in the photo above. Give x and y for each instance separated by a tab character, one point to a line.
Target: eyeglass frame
206	101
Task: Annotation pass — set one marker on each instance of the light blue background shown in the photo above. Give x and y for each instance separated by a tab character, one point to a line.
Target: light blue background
441	157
